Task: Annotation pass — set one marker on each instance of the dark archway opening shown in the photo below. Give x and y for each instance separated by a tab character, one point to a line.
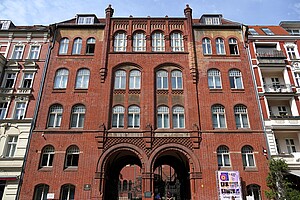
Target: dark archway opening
171	176
123	176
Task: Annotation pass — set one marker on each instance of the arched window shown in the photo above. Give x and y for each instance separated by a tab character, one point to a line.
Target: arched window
176	77
139	41
218	116
163	117
233	46
77	46
134	79
178	117
120	41
47	156
133	117
253	190
63	46
82	79
61	79
118	117
90	46
214	79
40	192
162	80
177	41
77	118
125	185
248	156
67	192
72	156
55	115
220	46
206	46
235	78
158	41
241	116
223	156
120	79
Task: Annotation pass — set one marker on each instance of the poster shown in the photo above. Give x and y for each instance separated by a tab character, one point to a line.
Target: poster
229	185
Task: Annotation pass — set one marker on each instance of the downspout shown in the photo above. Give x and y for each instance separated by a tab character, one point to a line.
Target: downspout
256	90
36	110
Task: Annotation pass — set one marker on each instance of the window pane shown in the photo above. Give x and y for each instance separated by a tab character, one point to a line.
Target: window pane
226	160
251	160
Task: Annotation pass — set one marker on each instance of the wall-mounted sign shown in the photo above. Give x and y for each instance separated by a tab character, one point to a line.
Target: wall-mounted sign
229	185
50	196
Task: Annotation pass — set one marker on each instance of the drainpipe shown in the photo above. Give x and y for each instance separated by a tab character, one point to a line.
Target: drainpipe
256	91
36	110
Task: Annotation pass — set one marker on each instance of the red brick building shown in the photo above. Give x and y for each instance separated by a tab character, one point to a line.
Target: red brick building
157	95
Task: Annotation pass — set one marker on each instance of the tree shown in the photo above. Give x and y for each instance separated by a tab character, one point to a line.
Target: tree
280	187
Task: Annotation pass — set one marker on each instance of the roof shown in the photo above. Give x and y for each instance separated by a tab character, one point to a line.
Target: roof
277	30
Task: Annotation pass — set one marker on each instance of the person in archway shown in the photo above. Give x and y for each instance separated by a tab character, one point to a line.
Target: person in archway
157	197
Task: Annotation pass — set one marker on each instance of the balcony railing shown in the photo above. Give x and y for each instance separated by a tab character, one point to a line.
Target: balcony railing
6	90
24	90
284	117
278	88
271	54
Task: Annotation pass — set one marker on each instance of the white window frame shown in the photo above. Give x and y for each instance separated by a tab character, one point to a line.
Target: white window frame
178	117
292	51
253	31
267	31
63	46
222	153
247	152
233	46
30	78
3	110
41	191
213	76
252	189
162	80
218	113
206	46
77	116
34	53
158	41
163	114
134	117
6	78
290	145
118	116
70	188
72	154
177	43
120	79
176	79
20	112
235	79
139	41
241	116
282	110
297	78
90	44
135	79
77	46
85	20
212	20
11	145
82	78
61	78
120	42
220	46
49	152
17	53
56	111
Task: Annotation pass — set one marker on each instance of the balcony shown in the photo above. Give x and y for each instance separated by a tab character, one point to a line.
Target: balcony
24	90
283	122
271	57
6	90
293	159
270	88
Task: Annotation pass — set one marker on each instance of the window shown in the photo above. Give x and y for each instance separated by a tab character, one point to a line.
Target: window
18	52
139	41
11	146
290	145
120	41
253	31
125	185
294	31
177	42
27	80
206	45
291	52
90	46
77	118
55	115
118	117
176	77
297	76
61	79
282	111
212	20
158	41
3	109
40	192
223	156
135	79
82	79
120	79
9	80
77	46
20	110
233	46
178	117
241	116
235	78
248	156
162	80
67	192
218	116
214	79
254	191
47	156
133	117
85	20
163	117
72	156
63	46
267	31
220	46
34	52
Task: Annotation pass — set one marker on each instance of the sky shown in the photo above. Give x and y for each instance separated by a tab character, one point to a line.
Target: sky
249	12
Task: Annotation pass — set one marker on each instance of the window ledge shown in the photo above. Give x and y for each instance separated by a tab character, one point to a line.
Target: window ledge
80	90
224	168
216	90
59	90
251	169
71	169
45	169
239	90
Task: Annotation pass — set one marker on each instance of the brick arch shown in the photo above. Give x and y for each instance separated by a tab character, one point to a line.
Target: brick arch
168	64
120	65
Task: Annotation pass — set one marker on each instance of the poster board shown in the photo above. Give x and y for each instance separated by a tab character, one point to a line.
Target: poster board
229	185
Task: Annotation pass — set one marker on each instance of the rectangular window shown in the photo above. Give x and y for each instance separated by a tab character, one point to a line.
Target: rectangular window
290	145
20	110
291	52
34	52
267	31
9	80
3	109
282	111
212	21
253	31
27	80
85	20
11	146
18	52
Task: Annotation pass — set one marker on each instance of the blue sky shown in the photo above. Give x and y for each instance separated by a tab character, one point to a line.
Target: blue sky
250	12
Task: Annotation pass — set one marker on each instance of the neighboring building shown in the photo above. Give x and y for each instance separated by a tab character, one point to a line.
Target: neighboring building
133	107
275	61
25	49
